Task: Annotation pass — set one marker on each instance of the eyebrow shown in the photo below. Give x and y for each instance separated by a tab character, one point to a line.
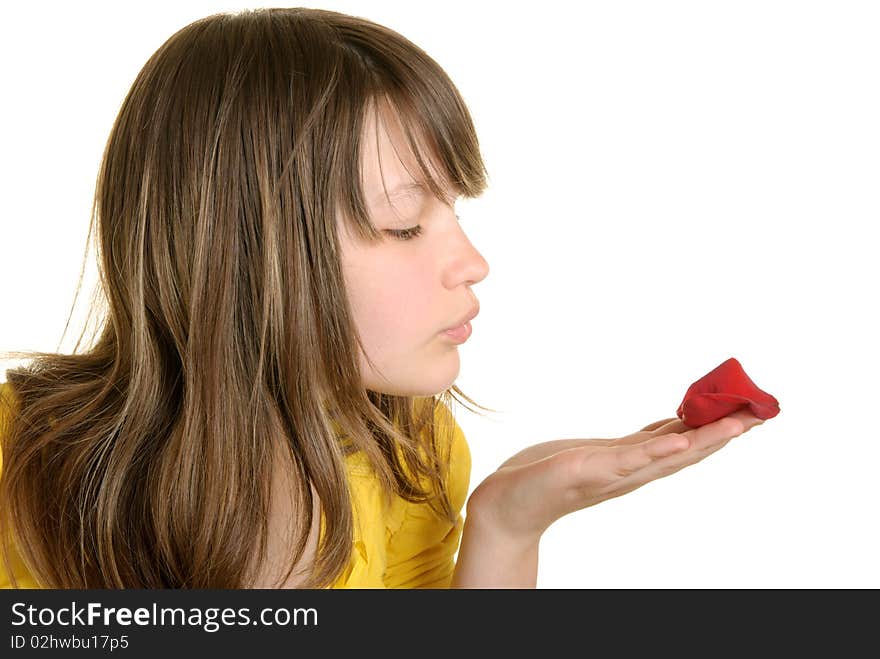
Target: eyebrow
401	190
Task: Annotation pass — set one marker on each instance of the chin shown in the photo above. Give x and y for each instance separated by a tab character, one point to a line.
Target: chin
417	389
434	376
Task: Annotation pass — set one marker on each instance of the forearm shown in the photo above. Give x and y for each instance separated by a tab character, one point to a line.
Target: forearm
488	560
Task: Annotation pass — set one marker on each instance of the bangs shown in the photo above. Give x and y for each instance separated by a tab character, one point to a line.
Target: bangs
439	137
444	169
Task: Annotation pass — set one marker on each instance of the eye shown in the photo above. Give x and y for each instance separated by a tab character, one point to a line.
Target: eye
412	232
406	234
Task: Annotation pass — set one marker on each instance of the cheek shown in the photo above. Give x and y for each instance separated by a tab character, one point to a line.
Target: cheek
399	310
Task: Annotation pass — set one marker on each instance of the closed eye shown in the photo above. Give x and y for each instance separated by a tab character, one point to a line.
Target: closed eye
411	232
406	234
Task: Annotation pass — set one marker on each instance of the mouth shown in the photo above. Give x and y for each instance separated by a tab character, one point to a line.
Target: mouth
459	334
475	310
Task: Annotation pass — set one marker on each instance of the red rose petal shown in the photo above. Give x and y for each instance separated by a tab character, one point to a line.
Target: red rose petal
721	392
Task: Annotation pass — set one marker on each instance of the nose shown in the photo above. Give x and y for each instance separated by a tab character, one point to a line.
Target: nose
468	265
478	266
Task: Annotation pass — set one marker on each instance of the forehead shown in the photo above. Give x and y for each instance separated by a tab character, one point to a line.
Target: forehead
389	167
404	189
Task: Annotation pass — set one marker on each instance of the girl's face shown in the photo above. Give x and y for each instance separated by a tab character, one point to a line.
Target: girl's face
405	293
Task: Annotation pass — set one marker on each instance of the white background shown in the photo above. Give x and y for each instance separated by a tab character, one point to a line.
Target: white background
672	184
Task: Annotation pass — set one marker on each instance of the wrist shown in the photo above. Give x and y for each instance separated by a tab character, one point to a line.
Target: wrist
489	557
485	521
492	515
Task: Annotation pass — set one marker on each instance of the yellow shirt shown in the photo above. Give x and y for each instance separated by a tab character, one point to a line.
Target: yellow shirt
406	546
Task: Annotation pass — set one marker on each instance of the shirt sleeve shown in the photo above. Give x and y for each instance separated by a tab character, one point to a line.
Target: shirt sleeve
421	551
8	404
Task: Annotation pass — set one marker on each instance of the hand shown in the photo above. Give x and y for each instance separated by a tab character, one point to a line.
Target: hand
544	482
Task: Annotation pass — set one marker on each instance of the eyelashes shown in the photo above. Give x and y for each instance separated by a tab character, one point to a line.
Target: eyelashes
411	232
406	234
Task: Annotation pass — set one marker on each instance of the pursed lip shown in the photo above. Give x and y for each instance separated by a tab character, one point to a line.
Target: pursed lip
467	318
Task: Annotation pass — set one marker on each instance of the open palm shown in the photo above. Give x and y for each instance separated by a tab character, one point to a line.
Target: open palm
543	482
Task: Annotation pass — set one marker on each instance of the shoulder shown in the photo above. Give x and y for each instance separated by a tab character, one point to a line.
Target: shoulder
459	453
444	422
8	404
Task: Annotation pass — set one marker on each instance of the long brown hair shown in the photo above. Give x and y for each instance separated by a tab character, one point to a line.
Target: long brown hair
144	461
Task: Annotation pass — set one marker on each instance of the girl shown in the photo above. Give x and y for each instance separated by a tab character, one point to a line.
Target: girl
268	402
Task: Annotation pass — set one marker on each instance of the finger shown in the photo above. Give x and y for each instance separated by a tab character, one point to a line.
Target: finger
630	458
674	425
722	430
657	424
704	441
